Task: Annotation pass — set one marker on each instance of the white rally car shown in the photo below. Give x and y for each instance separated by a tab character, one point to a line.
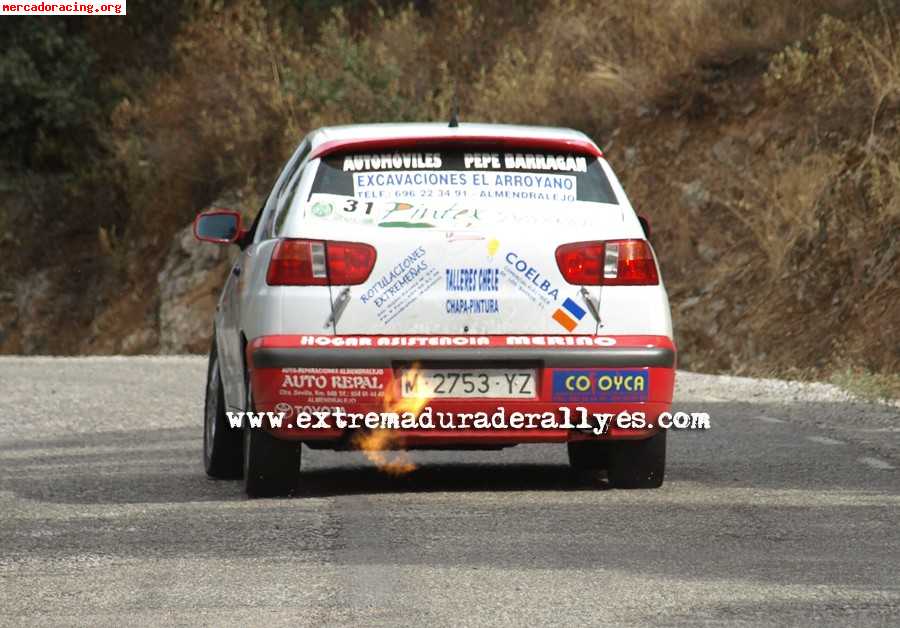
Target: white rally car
473	267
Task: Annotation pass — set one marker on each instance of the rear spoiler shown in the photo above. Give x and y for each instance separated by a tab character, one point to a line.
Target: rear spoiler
370	145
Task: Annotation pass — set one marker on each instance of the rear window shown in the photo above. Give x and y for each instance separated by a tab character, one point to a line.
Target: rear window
464	175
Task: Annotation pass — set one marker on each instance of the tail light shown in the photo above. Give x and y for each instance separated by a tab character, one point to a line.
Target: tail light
318	263
349	263
611	263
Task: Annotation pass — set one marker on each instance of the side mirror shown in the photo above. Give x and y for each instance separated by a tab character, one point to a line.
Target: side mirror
222	226
645	225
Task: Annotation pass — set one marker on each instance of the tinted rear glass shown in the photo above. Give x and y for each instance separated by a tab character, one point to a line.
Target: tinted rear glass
465	175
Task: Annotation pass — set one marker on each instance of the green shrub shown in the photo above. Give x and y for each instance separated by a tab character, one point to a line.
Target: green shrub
47	92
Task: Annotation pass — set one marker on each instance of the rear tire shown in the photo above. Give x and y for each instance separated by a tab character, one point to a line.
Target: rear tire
638	463
589	455
271	465
222	444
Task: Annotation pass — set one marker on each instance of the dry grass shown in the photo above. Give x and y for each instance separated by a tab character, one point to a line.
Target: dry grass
868	385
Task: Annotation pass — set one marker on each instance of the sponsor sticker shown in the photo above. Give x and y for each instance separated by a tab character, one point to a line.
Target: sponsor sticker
429	211
525	161
481	161
395	161
344	387
401	286
472	280
600	385
322	209
529	280
540	290
371	342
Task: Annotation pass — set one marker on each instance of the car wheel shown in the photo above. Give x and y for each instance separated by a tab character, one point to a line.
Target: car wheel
222	446
638	463
271	465
589	455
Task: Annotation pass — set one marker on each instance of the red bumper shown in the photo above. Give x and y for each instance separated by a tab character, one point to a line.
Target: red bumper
306	373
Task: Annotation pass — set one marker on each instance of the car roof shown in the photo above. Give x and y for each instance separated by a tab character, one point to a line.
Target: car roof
372	134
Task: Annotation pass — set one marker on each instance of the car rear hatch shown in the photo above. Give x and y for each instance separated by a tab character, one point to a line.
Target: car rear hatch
452	268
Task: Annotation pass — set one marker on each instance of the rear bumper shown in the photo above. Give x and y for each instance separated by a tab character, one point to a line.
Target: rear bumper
306	373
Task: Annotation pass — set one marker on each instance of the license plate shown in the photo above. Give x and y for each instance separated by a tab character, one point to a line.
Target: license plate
468	383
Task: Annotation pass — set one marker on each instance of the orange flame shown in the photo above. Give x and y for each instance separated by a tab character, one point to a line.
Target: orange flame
375	443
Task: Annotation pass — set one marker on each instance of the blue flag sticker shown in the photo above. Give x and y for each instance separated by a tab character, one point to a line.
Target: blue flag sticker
569	314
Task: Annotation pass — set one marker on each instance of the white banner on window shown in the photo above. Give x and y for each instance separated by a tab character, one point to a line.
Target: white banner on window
464	185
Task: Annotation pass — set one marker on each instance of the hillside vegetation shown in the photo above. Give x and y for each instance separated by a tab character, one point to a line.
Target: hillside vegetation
761	138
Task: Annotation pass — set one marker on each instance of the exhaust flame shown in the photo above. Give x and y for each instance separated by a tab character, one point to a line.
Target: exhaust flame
373	445
376	443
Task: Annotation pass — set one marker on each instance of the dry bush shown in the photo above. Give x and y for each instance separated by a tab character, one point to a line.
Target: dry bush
244	93
382	76
805	218
853	73
880	168
218	122
777	204
821	204
585	63
246	88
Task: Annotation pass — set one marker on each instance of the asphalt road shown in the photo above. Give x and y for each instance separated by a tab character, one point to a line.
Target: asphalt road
786	512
